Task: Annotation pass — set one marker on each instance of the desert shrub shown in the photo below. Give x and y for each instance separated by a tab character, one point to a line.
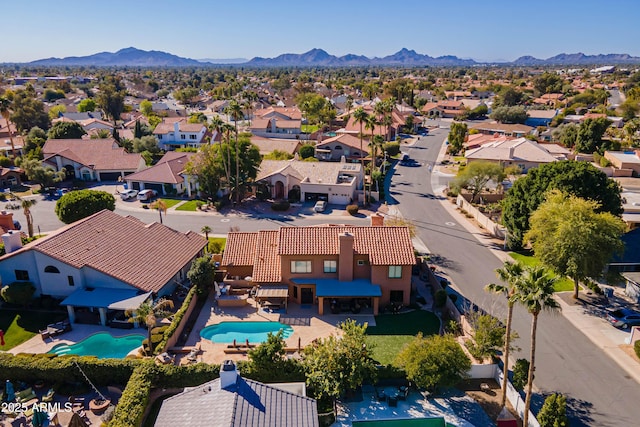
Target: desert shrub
352	209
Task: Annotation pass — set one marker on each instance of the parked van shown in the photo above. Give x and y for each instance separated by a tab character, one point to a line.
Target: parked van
146	195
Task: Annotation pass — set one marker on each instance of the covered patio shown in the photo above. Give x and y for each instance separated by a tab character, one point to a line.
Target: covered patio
336	290
272	296
104	300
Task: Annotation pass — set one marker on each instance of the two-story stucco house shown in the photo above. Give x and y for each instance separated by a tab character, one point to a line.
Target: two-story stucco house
179	134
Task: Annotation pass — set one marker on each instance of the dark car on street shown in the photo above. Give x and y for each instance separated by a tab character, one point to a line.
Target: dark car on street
623	318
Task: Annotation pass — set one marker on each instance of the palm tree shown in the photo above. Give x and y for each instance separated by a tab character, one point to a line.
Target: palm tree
360	116
510	273
535	292
148	313
216	124
371	124
206	230
161	206
235	110
5	111
227	129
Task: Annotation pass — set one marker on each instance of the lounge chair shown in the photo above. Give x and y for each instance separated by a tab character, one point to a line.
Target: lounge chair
49	396
403	392
193	355
26	396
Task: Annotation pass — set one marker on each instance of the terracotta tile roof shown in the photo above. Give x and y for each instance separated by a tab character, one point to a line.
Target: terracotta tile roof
291	112
315	172
260	123
240	249
347	139
98	154
266	265
166	171
121	247
268	145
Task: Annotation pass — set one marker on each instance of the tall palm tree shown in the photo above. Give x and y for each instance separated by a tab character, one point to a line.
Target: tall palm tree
5	111
149	313
161	206
227	129
371	124
535	292
510	273
235	110
360	116
206	230
216	124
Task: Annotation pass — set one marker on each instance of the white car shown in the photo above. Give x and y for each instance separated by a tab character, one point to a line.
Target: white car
146	195
128	194
320	206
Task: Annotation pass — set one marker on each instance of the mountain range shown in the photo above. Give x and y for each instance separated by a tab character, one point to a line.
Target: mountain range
133	57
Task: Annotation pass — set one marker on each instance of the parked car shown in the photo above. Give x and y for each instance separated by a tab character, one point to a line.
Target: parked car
146	195
623	318
320	206
62	191
128	194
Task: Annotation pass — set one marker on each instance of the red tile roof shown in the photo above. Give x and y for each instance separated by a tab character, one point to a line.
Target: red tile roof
266	265
98	154
166	171
240	249
146	256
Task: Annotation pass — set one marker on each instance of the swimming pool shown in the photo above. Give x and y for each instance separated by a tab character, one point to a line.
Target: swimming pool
102	345
255	332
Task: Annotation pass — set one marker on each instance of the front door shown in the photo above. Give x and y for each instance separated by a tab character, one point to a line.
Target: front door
306	296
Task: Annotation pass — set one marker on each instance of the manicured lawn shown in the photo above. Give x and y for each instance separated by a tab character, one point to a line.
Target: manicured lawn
20	326
309	128
562	285
190	206
222	241
393	331
171	202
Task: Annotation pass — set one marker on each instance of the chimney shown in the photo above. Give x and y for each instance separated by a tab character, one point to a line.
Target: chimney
176	129
12	241
345	265
228	375
6	220
511	152
273	125
377	220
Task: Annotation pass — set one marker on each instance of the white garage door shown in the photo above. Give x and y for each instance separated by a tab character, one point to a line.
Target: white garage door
338	199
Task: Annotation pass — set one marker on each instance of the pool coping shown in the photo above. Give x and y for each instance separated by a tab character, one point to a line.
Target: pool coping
133	351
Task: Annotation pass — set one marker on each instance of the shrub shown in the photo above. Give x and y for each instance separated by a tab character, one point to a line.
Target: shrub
392	148
636	347
553	412
76	205
520	374
352	209
280	206
440	298
177	317
218	204
19	293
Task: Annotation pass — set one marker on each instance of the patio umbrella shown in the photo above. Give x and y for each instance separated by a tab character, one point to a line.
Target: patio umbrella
76	421
11	394
40	419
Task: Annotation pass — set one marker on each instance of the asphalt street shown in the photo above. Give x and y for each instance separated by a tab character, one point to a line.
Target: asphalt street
598	391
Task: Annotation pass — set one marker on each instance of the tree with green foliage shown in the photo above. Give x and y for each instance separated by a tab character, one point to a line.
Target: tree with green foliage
160	206
66	130
580	179
457	135
567	134
52	94
269	363
35	139
234	110
515	114
434	362
18	293
146	143
569	236
76	205
335	365
148	313
146	108
201	274
547	83
476	175
86	105
507	96
392	148
111	97
488	335
28	111
509	274
553	412
314	106
520	374
535	293
186	95
56	111
307	150
278	155
589	138
39	174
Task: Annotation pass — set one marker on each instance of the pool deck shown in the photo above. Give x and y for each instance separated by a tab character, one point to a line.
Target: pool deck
306	323
77	334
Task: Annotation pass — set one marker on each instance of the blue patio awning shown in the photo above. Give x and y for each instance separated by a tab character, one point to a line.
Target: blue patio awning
113	299
336	288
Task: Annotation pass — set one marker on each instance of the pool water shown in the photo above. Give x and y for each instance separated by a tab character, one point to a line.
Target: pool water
255	332
102	345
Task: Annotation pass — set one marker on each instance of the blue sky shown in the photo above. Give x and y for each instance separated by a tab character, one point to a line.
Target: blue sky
482	30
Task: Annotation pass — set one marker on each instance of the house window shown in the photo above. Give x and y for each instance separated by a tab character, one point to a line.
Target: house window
395	271
183	136
51	269
338	147
159	136
396	296
360	262
22	275
71	282
193	136
301	266
330	266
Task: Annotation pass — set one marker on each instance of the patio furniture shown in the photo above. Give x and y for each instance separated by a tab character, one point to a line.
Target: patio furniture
165	358
393	400
49	396
77	403
403	392
485	387
381	396
26	396
193	355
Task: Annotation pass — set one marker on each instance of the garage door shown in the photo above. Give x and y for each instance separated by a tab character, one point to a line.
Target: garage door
154	186
312	197
109	176
339	199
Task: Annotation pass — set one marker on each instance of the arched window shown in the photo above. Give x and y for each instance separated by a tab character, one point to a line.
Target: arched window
338	147
51	269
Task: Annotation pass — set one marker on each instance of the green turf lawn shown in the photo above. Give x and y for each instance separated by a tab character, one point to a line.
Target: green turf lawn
190	206
220	240
171	202
562	285
393	331
309	128
20	326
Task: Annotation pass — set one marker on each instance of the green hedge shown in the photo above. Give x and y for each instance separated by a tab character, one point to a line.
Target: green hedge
168	333
47	367
636	347
148	375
